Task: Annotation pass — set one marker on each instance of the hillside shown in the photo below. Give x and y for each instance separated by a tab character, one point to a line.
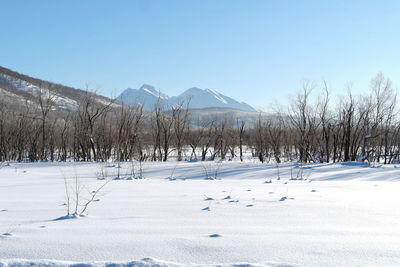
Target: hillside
18	88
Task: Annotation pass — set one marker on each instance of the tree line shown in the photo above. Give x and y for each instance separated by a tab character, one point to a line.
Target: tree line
350	128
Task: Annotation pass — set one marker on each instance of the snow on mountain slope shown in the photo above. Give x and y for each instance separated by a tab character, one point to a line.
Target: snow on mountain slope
152	90
199	98
18	87
146	95
29	89
208	98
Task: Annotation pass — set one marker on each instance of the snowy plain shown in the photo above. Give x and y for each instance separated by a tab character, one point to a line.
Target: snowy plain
343	214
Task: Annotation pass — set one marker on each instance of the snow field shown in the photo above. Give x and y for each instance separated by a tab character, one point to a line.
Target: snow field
342	215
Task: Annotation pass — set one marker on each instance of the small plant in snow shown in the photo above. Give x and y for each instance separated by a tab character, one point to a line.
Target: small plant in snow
172	177
208	198
10	230
103	173
308	176
300	173
77	201
211	170
286	196
228	196
136	169
208	208
118	171
277	171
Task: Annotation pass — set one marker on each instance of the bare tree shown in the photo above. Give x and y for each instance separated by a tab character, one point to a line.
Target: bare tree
180	123
78	203
325	119
46	99
303	118
241	131
88	114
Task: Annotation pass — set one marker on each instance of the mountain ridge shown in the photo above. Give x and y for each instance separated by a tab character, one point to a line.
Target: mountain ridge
148	96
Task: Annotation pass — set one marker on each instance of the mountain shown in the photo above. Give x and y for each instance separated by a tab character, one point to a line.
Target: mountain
206	98
199	98
19	89
146	95
16	88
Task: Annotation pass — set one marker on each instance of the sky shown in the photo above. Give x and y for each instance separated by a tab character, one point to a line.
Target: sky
258	52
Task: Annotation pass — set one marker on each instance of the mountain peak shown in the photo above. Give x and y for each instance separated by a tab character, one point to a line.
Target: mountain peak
152	90
194	89
148	86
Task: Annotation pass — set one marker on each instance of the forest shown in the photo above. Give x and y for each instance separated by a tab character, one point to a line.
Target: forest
316	126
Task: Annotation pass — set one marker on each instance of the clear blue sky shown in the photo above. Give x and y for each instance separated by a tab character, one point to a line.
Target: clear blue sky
254	51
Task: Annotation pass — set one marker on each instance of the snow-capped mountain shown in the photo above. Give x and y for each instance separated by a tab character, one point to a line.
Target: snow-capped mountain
148	96
205	98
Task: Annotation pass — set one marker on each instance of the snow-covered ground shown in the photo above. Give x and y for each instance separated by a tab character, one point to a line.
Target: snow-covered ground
340	215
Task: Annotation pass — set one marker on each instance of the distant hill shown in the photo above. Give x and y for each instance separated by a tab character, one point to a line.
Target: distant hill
18	88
